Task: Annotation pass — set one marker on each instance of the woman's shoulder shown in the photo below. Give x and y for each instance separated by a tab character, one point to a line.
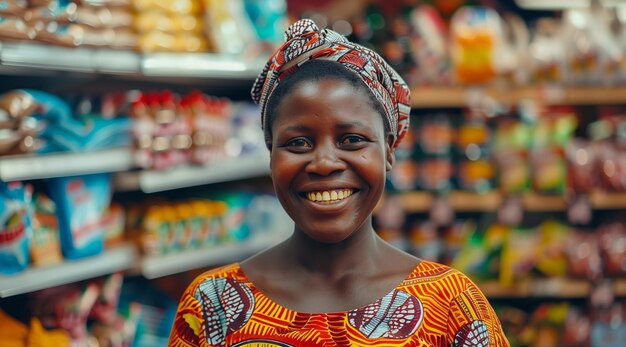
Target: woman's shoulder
230	272
439	278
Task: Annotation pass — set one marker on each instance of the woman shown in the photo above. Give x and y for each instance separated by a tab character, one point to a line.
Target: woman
332	113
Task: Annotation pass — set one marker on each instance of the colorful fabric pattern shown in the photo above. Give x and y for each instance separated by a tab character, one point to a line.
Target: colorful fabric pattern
304	41
434	306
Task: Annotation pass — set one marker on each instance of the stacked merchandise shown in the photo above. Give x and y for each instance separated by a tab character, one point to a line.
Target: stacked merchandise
39	122
80	314
170	130
477	45
76	221
70	23
173	26
146	25
229	218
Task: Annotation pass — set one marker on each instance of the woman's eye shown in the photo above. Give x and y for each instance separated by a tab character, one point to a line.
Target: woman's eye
298	143
352	139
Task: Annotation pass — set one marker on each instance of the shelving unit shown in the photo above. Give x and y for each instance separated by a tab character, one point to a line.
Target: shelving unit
31	58
433	97
17	168
158	266
561	288
152	181
462	201
36	278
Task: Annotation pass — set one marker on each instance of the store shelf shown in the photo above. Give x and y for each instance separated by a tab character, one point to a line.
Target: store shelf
23	57
473	202
117	259
159	266
16	168
432	97
199	65
544	288
151	181
547	288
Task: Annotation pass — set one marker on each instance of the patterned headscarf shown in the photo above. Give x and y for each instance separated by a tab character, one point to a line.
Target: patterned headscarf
304	41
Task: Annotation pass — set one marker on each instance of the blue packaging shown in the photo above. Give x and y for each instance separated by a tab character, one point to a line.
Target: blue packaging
15	227
82	202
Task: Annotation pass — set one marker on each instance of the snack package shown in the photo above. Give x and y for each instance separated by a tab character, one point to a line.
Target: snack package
547	52
269	19
45	247
519	255
425	241
613	248
476	42
82	202
430	46
228	26
512	140
15	226
580	160
583	255
67	307
15	28
552	257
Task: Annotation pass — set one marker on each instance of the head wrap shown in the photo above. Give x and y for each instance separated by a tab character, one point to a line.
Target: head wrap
304	41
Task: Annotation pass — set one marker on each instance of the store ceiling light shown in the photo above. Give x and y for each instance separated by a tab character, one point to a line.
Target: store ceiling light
565	4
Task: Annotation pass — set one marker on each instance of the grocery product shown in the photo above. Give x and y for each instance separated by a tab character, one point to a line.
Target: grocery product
16	226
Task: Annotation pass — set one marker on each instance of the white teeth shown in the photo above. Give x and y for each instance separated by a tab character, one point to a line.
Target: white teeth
326	196
329	196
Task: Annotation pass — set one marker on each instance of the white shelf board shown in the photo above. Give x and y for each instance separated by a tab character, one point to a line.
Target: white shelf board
31	55
151	181
32	279
205	65
159	266
17	168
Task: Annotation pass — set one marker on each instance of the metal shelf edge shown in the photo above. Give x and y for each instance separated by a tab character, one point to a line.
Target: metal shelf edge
17	168
36	278
244	167
158	266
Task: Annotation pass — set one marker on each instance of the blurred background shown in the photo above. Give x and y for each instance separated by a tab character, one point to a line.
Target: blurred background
131	157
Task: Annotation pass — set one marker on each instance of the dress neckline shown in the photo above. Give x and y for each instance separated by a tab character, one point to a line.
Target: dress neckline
241	273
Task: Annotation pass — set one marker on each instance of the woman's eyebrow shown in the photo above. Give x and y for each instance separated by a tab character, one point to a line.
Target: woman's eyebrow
295	127
354	124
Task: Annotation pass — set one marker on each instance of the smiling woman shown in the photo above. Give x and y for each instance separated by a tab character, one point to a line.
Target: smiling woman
332	113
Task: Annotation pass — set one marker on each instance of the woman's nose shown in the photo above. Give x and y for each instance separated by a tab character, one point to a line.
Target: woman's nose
325	161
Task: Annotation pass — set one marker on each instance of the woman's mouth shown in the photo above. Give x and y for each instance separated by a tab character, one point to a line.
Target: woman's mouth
329	196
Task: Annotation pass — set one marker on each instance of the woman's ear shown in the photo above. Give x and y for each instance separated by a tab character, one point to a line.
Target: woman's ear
390	159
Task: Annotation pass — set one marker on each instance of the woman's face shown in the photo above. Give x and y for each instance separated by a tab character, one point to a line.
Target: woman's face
329	158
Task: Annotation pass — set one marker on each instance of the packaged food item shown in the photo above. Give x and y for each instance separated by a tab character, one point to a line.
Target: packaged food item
476	41
435	174
67	307
430	46
435	134
15	28
45	246
404	175
511	146
580	159
269	18
228	27
13	7
613	248
552	258
583	255
15	226
519	255
547	52
425	241
81	205
57	10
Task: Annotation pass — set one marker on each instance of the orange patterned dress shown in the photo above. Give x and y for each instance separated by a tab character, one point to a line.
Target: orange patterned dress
434	306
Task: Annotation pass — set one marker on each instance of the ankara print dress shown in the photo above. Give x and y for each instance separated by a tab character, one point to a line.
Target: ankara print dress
434	306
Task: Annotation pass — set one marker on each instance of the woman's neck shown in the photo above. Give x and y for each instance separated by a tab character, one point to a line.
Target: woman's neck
357	253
